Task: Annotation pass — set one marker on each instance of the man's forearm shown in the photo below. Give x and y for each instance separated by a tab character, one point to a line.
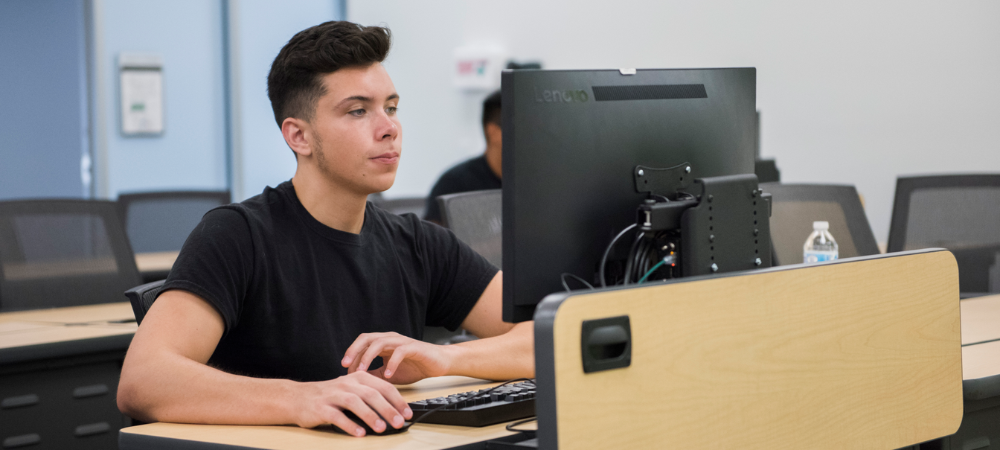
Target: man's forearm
171	388
507	356
165	378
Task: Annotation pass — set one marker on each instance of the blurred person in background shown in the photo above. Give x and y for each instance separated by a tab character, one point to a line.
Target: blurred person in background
477	174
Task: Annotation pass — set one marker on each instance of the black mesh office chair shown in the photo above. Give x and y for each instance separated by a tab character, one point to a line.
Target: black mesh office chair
794	208
477	219
406	205
142	298
957	212
56	253
162	221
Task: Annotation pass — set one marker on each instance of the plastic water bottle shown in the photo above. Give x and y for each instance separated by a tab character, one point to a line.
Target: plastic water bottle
820	246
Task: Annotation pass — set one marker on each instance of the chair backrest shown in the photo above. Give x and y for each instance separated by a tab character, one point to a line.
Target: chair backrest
767	171
142	298
477	219
162	221
406	205
794	208
957	212
56	253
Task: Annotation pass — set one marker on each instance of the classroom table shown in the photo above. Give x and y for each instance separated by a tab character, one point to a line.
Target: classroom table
103	313
59	371
419	436
980	319
156	265
980	377
981	387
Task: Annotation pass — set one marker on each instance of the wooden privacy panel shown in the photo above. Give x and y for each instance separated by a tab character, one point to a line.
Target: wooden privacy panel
863	353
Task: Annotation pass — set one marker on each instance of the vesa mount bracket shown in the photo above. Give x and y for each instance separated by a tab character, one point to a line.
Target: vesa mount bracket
724	227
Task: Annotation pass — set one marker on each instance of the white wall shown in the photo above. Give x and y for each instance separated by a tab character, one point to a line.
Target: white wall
853	92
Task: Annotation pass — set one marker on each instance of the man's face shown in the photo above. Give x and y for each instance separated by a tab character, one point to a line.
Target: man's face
356	135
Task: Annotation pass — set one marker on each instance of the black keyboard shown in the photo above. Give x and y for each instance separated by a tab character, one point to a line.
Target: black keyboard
478	408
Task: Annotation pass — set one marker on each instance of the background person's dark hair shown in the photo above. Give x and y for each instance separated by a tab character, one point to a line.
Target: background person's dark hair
491	110
294	84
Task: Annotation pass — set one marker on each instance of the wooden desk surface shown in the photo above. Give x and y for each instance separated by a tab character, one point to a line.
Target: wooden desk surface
40	334
981	360
18	327
155	262
61	332
48	326
74	314
980	319
420	436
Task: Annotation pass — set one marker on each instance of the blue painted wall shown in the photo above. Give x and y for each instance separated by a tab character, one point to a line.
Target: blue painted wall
47	124
191	153
260	29
43	98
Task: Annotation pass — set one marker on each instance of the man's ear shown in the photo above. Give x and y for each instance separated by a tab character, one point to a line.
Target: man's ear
493	132
296	133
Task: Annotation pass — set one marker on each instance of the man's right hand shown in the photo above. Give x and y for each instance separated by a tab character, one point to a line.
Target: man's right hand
166	378
362	393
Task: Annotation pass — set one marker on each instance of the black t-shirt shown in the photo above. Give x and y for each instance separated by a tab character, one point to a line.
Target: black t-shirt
472	175
294	293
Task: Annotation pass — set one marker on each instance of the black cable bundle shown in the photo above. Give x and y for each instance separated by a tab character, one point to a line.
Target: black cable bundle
644	259
648	254
634	256
604	259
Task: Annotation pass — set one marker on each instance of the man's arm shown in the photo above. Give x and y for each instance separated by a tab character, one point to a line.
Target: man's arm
506	351
165	377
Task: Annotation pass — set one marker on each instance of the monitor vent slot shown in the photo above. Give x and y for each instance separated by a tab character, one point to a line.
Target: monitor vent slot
649	92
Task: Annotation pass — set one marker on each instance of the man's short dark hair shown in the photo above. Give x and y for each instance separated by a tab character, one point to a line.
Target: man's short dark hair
491	109
294	84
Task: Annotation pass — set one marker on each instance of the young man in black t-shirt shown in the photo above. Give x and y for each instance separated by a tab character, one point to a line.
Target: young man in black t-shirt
477	174
277	307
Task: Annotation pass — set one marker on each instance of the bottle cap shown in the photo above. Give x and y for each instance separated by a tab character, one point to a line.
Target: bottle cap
821	225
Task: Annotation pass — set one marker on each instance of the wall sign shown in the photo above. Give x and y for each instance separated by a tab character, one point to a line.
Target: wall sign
478	66
141	93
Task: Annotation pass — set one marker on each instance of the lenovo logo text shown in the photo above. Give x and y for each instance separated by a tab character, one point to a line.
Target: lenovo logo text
557	96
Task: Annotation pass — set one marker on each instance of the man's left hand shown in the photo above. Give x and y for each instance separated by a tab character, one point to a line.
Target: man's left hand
405	360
